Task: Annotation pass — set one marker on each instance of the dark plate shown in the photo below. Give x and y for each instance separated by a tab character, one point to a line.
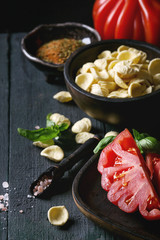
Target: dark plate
92	201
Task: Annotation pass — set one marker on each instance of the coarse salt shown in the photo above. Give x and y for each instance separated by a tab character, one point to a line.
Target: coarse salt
1	197
5	185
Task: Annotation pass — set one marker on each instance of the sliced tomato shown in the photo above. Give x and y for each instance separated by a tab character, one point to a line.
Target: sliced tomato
126	178
153	163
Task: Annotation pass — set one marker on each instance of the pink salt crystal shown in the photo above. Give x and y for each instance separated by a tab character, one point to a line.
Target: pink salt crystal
1	197
40	189
1	205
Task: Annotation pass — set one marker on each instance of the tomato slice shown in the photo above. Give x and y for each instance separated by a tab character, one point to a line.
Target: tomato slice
126	178
153	163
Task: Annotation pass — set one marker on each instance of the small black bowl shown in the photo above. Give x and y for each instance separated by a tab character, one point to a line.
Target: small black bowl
47	32
116	111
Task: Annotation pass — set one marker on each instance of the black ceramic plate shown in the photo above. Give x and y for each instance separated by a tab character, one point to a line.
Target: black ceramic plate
92	201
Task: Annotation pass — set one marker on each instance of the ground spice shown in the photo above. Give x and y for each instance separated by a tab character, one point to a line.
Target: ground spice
57	51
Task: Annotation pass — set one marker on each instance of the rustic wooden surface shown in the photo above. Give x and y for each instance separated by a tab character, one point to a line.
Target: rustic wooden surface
25	100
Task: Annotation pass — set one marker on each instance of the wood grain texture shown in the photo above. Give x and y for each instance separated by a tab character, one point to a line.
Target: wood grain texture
26	98
4	121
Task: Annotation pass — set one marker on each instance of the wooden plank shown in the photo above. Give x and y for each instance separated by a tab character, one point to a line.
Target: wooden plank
4	137
30	101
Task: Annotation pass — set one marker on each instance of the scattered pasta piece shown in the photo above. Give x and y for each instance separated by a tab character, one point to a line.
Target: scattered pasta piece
59	119
63	96
115	74
54	153
83	125
82	137
58	215
45	144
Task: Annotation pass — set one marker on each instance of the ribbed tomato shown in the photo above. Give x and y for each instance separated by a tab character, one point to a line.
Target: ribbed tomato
126	178
128	19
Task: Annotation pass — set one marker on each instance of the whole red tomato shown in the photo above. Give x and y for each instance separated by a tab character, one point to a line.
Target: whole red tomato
128	19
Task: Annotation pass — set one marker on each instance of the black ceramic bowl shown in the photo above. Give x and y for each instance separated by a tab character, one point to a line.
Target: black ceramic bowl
47	32
112	110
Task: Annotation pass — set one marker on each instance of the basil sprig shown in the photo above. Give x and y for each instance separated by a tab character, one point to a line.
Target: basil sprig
103	143
51	130
146	143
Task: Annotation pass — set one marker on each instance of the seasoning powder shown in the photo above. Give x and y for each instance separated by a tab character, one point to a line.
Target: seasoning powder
57	51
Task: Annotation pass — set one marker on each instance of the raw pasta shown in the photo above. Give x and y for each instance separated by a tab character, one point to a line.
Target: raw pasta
58	215
124	73
63	96
83	125
54	153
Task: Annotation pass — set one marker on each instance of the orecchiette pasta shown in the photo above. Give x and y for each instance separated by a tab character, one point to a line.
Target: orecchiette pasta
59	119
124	73
82	137
54	153
63	96
45	144
83	125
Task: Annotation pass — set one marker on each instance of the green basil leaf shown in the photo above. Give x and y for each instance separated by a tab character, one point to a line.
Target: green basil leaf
149	144
41	134
103	143
63	127
138	136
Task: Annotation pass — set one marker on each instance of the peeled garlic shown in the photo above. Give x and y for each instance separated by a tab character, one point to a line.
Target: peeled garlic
83	137
44	144
59	119
83	125
54	153
63	96
58	215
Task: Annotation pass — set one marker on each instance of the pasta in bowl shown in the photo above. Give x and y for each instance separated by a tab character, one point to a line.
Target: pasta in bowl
123	73
115	81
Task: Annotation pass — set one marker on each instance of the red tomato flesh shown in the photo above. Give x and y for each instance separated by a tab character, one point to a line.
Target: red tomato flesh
153	163
126	178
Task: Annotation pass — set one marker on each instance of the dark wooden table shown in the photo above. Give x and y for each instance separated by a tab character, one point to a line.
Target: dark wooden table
25	100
